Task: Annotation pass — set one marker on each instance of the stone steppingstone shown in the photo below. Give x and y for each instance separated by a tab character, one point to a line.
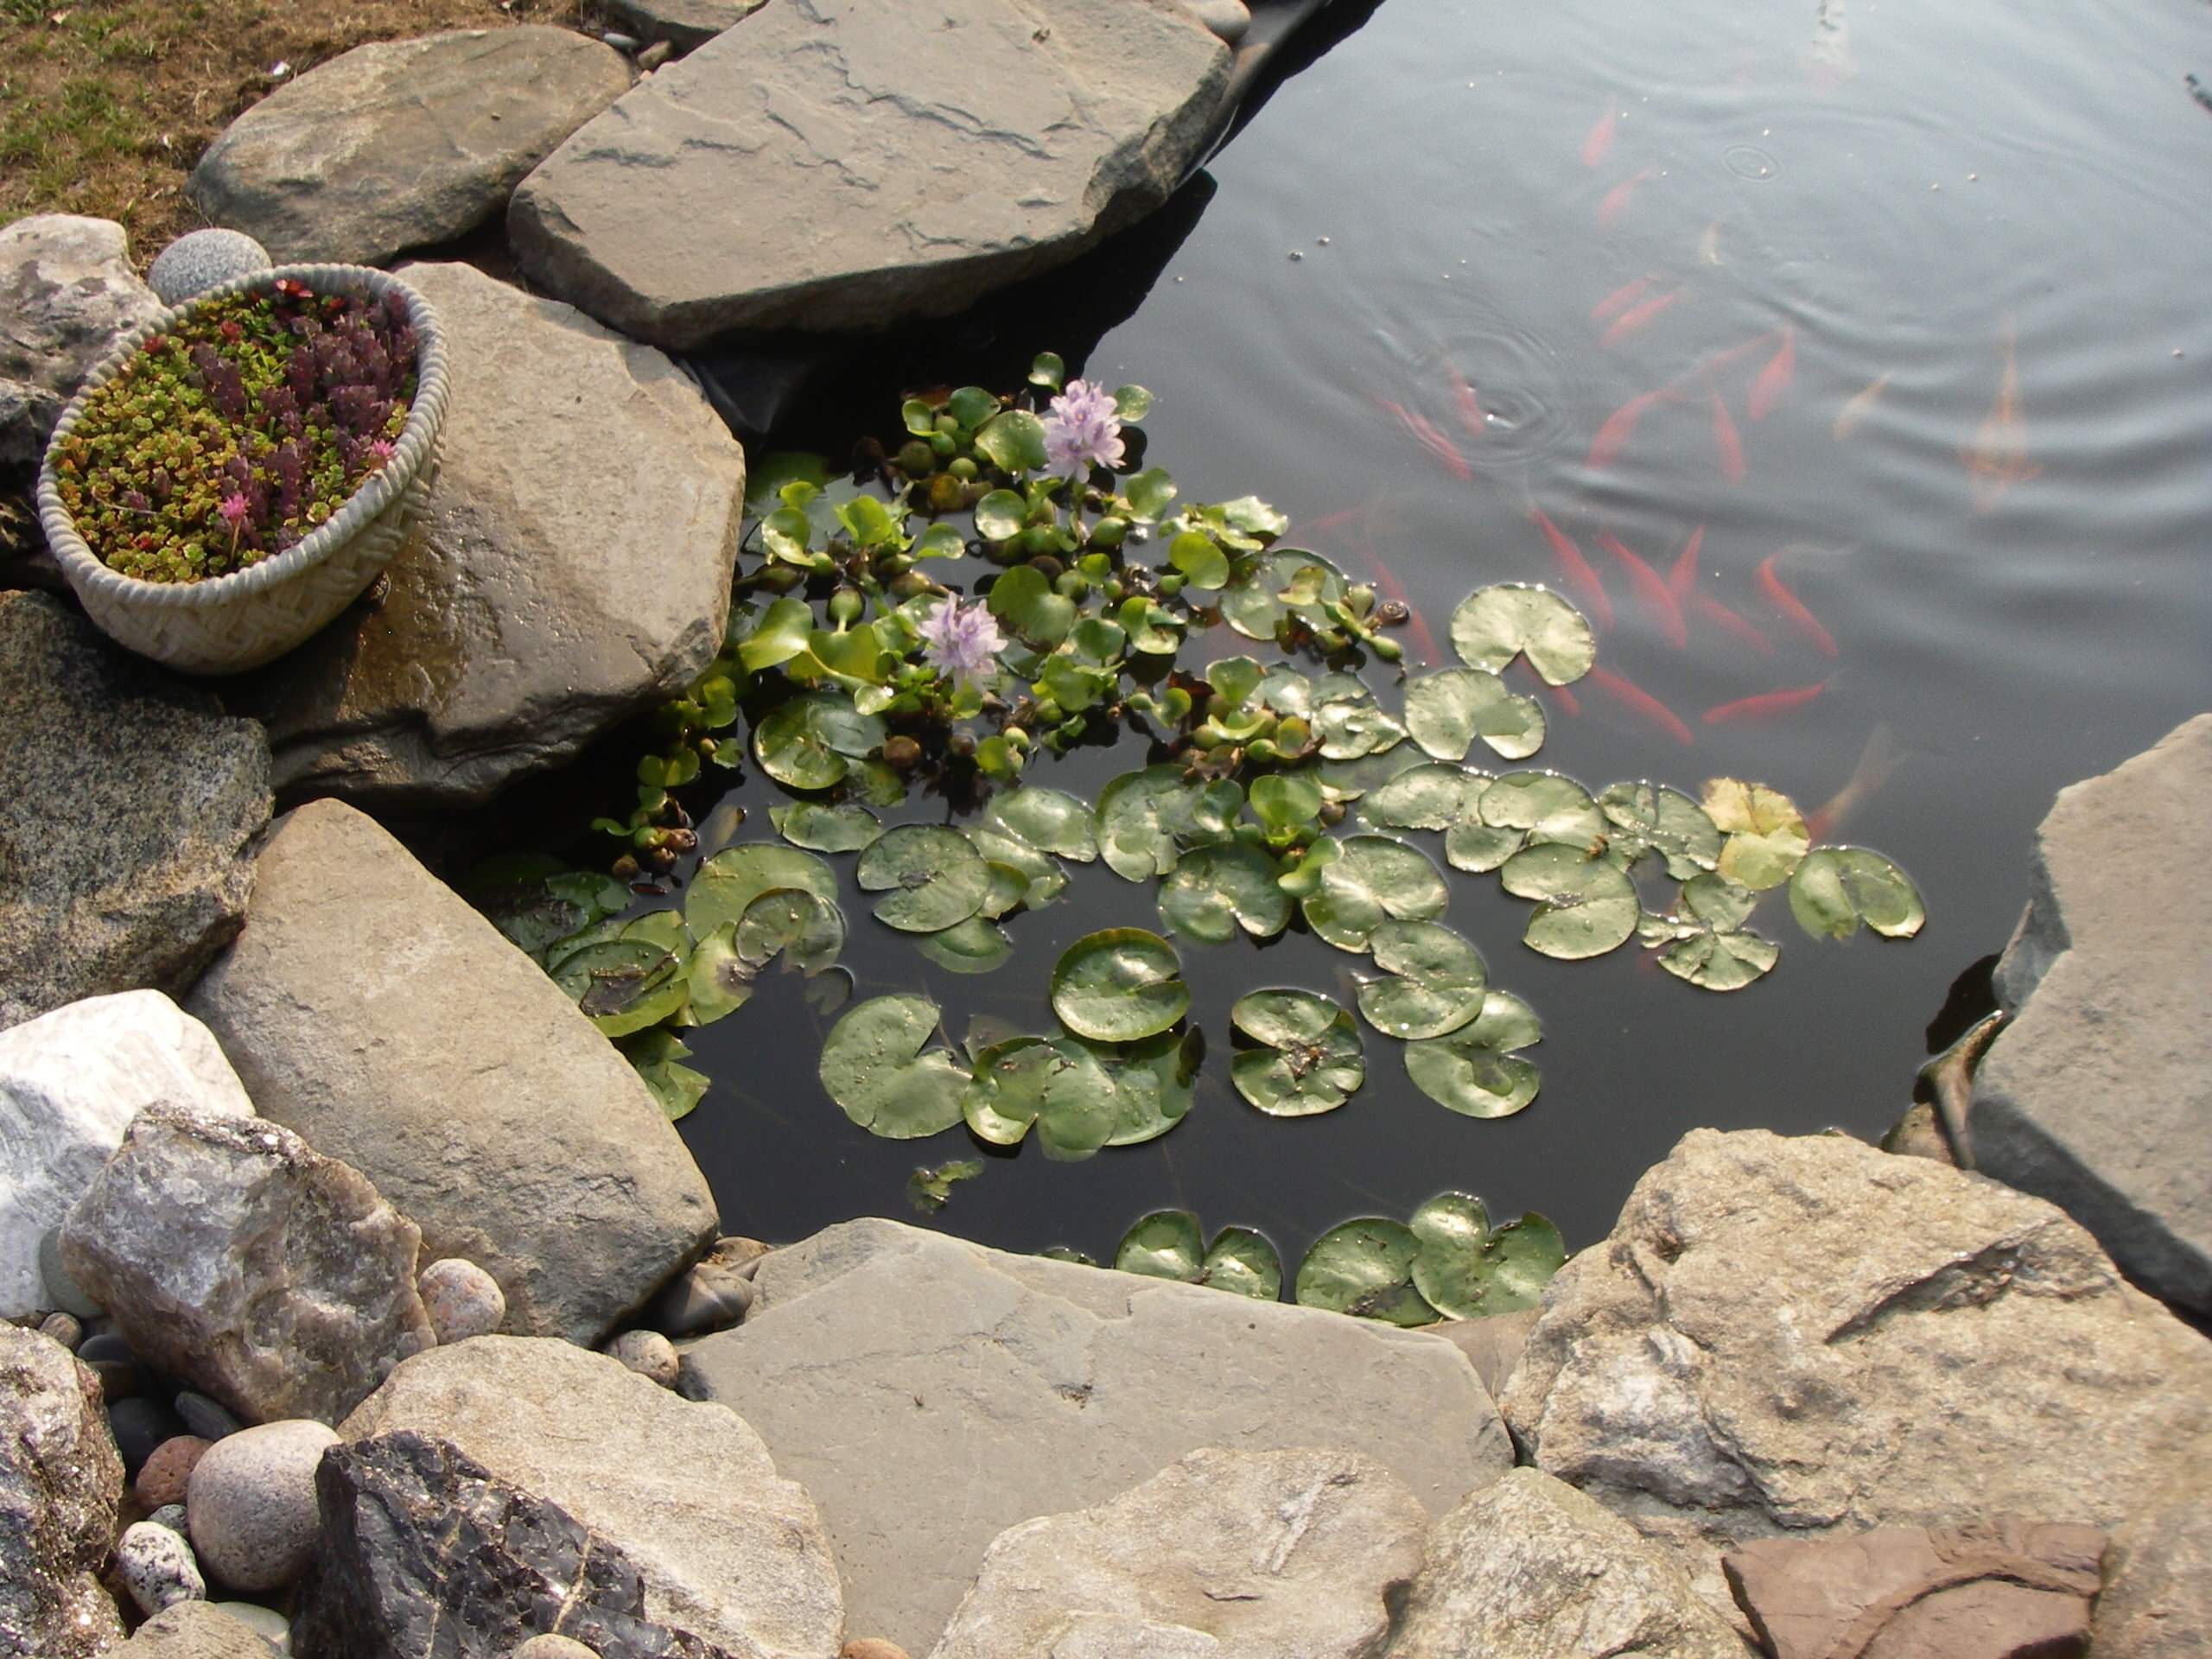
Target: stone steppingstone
66	289
70	1083
874	1350
684	24
195	1630
2157	1599
369	1007
2098	1094
2005	1589
426	1554
573	569
235	1257
1273	1554
1529	1568
943	151
688	1492
1807	1336
61	1482
400	143
127	803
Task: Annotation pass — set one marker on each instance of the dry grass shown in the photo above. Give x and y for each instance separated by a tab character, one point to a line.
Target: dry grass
106	104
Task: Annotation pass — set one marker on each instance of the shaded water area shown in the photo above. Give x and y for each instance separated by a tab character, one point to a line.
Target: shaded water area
2014	575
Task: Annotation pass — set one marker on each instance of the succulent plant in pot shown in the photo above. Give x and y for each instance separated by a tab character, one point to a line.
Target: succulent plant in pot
235	473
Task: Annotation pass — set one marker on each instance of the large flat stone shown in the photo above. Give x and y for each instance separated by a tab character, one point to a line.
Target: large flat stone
61	1482
2098	1094
939	151
2157	1598
66	289
930	1394
573	569
722	1546
1807	1336
400	143
127	803
70	1083
368	1007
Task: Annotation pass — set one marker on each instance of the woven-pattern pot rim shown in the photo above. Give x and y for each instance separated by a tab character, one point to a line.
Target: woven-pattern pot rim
84	568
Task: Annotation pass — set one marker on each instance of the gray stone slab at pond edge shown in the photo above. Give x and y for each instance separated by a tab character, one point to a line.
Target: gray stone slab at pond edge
2098	1094
1809	1337
930	1393
573	567
2158	1597
368	1007
67	288
841	164
400	143
684	24
127	803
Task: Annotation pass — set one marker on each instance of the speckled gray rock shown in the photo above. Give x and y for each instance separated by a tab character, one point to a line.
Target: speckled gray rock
156	1567
236	1257
2098	1094
1807	1335
200	260
1065	1364
461	1299
196	1630
251	1507
529	615
1529	1568
399	144
648	1353
66	289
942	151
1290	1554
145	875
499	1121
684	24
61	1482
722	1545
70	1081
172	1516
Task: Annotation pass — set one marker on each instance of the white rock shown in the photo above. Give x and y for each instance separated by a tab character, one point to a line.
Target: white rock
462	1299
250	1508
200	260
70	1082
649	1354
66	289
156	1567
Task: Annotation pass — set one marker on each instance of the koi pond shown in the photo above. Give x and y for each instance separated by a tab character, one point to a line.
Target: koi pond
1844	366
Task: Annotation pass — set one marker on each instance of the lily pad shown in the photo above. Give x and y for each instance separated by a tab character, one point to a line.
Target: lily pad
1365	1268
1133	816
1050	820
653	1054
1056	1086
536	902
1545	806
1447	710
1352	728
623	985
930	1190
810	740
874	1067
1216	890
1153	1082
1168	1244
1495	624
1766	835
724	887
1585	905
1432	796
1436	980
1372	879
1836	888
1119	984
932	877
1704	941
1348	780
1474	1071
806	930
1650	820
1468	1269
1311	1061
977	945
1253	603
844	828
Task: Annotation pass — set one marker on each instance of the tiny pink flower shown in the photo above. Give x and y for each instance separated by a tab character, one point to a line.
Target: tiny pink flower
234	509
382	449
1083	429
961	641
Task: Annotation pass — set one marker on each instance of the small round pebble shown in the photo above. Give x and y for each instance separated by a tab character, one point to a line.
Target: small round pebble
252	1505
649	1354
1226	19
61	1290
461	1299
64	1328
206	1418
157	1567
870	1647
620	41
200	259
271	1626
170	1516
164	1476
139	1426
553	1647
106	1346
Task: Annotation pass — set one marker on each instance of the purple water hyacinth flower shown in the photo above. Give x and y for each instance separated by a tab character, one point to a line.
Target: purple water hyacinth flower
961	641
1083	429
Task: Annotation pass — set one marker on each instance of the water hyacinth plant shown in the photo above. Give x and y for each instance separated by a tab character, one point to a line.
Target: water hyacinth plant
235	432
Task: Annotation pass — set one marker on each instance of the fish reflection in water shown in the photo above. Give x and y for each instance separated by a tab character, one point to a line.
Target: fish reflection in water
1998	459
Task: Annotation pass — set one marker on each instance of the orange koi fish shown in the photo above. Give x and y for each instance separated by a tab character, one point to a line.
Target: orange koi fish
1620	426
1597	142
1727	444
1793	609
1650	591
1773	379
1469	405
1765	706
1620	299
1424	432
1683	576
1575	571
1856	406
1712	611
1615	200
1876	762
1640	703
1636	319
1998	459
1388	586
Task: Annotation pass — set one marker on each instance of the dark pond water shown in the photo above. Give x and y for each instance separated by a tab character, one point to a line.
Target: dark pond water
1935	200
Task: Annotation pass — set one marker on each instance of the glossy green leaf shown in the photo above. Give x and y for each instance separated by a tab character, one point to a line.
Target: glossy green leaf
1200	559
1348	730
1133	822
1365	1268
623	985
929	1190
1435	981
1474	1071
1014	441
724	887
844	828
1119	984
1493	626
1055	1086
1252	602
1050	820
1166	1244
1216	890
1447	710
1284	801
1371	881
1001	515
1047	370
977	945
1468	1269
809	741
932	877
1585	905
653	1054
1431	796
1025	602
874	1066
1835	888
1310	1061
1650	820
1153	1081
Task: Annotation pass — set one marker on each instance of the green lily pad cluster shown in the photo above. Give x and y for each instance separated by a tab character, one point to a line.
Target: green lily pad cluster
1447	1262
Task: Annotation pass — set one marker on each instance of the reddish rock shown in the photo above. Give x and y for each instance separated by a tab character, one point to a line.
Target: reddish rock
161	1477
2004	1589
